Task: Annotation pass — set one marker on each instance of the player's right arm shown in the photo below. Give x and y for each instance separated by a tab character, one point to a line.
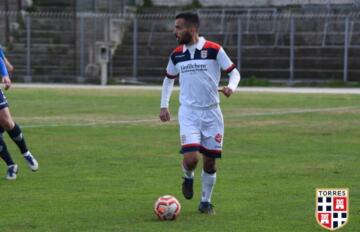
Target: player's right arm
4	74
167	87
168	84
8	65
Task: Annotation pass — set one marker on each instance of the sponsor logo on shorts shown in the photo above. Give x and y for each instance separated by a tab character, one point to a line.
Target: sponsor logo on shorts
218	138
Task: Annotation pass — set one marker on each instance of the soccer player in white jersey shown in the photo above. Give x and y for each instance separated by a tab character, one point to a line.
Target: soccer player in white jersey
13	129
197	63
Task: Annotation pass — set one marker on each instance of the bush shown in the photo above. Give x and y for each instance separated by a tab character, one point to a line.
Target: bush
194	5
148	3
253	81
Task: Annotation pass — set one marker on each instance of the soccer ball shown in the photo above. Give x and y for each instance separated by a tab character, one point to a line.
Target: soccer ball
167	207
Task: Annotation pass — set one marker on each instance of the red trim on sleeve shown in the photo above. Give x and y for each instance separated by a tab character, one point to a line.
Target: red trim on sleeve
209	44
171	76
230	68
178	49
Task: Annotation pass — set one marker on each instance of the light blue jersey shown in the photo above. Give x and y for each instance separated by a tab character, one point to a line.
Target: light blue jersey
2	56
3	70
3	73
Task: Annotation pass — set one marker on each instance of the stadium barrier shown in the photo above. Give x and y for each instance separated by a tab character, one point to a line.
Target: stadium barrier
71	47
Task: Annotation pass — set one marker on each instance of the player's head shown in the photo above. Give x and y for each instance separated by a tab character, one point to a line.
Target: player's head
186	27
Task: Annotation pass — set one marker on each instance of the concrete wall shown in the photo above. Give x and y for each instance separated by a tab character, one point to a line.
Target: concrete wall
251	3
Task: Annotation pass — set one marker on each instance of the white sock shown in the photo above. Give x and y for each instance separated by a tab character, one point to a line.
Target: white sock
188	174
208	182
27	153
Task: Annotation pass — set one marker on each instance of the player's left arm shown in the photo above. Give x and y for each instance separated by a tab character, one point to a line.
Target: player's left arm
229	67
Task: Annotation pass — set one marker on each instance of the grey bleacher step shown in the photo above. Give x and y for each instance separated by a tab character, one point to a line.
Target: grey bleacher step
49	34
52	25
55	48
64	8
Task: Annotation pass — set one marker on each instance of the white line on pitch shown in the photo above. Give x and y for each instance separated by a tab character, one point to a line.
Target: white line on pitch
105	123
158	88
155	120
297	111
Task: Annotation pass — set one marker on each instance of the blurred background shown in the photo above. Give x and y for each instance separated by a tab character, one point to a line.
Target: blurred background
285	42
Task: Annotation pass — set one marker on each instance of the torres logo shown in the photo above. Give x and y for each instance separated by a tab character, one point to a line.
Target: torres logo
332	208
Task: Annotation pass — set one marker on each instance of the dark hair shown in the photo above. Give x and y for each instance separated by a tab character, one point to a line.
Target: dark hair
190	18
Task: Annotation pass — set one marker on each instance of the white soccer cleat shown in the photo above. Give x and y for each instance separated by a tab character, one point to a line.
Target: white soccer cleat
11	172
31	162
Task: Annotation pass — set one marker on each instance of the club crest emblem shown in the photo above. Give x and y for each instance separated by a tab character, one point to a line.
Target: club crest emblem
204	54
332	208
218	138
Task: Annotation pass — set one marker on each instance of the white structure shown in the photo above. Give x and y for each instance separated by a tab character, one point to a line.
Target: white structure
102	55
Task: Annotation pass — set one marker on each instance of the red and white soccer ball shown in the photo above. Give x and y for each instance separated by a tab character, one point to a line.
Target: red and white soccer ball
167	207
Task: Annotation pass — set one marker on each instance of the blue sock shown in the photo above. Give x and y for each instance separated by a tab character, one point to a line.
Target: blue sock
4	153
17	136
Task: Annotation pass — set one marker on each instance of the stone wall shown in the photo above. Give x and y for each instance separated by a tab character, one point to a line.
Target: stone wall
252	3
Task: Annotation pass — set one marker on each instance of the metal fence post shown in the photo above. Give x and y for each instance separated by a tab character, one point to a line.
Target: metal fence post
346	49
239	43
82	50
222	21
110	7
135	48
108	38
27	77
248	20
292	52
7	24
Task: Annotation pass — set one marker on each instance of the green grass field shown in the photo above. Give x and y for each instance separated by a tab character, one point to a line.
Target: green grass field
105	158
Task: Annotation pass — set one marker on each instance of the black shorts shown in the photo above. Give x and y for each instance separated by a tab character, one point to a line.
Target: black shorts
3	101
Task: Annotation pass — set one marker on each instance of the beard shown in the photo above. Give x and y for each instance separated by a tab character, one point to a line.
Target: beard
185	39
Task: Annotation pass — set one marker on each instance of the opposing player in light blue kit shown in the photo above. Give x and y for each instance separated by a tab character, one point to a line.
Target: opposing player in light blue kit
7	124
197	62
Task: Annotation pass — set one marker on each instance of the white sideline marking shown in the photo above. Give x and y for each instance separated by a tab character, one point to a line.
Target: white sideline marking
298	111
154	120
158	88
105	123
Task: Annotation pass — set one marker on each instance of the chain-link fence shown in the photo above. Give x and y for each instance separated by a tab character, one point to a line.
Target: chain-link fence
121	48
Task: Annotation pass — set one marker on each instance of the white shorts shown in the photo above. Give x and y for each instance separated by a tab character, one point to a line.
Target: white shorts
201	130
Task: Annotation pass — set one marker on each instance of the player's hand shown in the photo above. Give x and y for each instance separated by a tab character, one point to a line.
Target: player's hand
226	91
7	82
164	114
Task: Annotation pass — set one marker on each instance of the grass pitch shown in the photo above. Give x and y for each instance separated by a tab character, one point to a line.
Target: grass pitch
105	158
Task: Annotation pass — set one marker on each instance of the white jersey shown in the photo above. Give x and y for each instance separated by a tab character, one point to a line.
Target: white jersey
199	72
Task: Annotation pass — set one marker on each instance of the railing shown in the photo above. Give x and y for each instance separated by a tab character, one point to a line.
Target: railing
224	13
60	47
286	30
